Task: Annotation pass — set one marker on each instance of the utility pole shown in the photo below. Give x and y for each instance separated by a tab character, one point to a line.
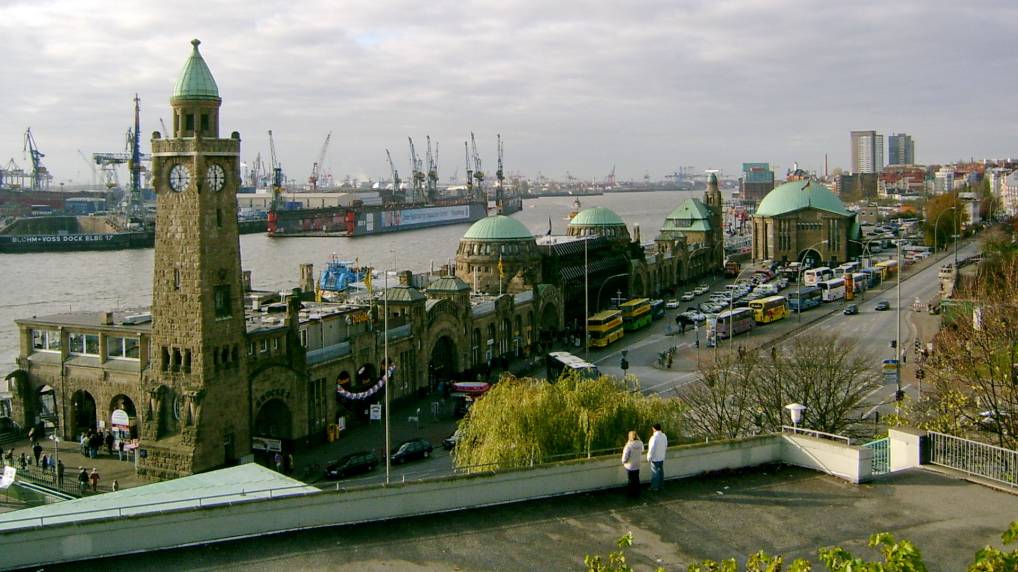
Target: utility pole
897	341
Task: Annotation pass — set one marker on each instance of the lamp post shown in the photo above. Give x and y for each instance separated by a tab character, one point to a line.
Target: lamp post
795	410
898	394
798	279
387	369
937	223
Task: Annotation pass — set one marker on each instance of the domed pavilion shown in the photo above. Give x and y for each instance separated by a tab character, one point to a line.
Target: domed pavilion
494	251
599	221
802	220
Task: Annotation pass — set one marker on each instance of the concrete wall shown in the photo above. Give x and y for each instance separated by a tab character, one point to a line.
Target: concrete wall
854	464
904	448
61	542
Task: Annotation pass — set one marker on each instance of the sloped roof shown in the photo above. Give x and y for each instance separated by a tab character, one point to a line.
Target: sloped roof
498	227
403	294
597	216
797	195
692	210
448	284
195	81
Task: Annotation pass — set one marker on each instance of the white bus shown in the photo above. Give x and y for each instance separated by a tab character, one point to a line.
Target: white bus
559	363
813	276
832	290
848	268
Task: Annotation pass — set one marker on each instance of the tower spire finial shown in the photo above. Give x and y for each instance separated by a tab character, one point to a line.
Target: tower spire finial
195	42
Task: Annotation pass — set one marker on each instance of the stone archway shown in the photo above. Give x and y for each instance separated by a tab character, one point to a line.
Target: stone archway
273	420
443	363
810	258
83	416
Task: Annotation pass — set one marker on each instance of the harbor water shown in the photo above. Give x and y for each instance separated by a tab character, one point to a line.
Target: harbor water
41	284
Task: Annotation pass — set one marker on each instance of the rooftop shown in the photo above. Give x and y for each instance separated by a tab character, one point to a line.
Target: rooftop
797	195
195	81
597	216
498	227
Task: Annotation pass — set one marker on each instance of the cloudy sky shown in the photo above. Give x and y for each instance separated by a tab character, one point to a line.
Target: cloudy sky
572	86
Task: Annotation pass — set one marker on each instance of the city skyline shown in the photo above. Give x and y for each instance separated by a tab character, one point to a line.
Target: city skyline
648	88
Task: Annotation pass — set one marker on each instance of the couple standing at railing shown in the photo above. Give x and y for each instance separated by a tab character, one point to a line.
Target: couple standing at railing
632	452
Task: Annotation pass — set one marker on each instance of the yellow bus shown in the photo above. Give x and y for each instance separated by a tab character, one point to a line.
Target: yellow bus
635	314
604	328
770	309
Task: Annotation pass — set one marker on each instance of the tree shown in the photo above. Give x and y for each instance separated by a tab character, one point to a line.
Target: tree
973	373
896	556
828	374
944	215
524	421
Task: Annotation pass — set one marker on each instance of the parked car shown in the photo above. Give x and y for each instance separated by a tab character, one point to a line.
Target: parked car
352	464
688	296
411	450
672	304
850	310
449	443
701	290
694	317
882	305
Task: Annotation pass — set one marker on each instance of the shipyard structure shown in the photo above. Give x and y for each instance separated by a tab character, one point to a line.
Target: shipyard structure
217	373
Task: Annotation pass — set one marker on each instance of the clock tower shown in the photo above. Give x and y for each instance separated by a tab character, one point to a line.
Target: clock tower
197	415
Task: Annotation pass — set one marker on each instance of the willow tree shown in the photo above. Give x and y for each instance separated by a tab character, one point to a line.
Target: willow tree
525	421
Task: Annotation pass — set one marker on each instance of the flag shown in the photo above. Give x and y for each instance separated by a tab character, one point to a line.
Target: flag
501	267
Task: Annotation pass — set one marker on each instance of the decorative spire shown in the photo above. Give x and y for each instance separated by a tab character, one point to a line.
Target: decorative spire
195	81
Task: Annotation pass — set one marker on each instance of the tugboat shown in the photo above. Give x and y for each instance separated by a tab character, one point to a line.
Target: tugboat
338	276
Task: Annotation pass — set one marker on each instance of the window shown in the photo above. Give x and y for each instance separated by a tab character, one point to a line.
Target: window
219	218
204	122
83	344
122	348
263	346
275	344
189	122
304	337
176	279
251	349
221	301
46	340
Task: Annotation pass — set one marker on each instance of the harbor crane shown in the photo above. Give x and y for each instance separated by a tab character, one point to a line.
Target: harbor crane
418	177
316	169
499	177
470	171
40	174
277	185
610	179
166	132
12	176
135	207
478	171
432	171
394	173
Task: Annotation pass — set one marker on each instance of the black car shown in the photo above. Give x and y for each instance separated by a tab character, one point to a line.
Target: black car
449	443
412	449
851	310
882	305
352	464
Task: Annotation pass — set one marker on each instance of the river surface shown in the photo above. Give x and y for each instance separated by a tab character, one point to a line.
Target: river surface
41	284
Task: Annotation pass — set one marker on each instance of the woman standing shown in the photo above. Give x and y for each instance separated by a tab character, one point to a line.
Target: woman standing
631	455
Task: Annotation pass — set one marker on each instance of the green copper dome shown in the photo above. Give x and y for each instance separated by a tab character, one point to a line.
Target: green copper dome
195	81
498	227
798	195
597	216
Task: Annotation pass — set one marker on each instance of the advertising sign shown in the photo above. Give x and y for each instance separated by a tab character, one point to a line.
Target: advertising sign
375	412
266	444
8	477
119	418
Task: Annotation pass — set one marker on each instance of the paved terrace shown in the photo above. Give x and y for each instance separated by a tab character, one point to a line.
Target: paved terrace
781	509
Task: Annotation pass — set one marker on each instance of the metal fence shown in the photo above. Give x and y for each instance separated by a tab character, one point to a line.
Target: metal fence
974	458
816	434
881	463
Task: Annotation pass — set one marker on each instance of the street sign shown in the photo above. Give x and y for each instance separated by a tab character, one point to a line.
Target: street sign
375	412
890	370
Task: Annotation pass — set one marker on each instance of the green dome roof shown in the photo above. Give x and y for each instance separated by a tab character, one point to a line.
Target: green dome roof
597	216
195	81
798	195
498	227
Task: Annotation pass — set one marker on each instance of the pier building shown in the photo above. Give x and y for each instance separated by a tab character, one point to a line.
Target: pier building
217	372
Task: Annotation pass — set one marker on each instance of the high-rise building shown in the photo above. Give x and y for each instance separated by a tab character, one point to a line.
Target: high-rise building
867	152
900	149
757	180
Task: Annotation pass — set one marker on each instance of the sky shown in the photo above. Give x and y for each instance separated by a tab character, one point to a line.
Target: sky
647	86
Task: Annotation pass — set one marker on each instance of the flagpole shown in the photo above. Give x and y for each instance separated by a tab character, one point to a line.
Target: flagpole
385	369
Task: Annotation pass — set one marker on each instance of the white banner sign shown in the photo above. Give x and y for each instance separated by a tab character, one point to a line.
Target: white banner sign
8	478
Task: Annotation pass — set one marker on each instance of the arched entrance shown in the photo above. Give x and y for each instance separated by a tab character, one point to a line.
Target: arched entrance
442	365
810	258
273	420
83	416
125	424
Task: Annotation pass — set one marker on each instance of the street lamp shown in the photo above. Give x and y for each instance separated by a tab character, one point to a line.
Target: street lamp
795	410
937	223
897	338
798	279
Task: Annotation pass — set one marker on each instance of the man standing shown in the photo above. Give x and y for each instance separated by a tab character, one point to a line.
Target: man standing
60	473
656	456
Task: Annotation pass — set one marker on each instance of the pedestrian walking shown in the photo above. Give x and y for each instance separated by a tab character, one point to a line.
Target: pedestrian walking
120	449
109	443
37	450
83	441
23	461
656	448
278	460
44	463
82	480
60	473
289	463
94	478
116	485
631	455
10	457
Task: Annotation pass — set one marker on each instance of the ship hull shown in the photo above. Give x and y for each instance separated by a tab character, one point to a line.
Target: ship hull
371	220
17	243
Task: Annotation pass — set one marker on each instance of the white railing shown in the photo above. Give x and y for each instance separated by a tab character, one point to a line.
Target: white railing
816	434
974	458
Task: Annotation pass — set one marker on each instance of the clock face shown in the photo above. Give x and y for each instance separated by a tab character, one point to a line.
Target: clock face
216	177
180	177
